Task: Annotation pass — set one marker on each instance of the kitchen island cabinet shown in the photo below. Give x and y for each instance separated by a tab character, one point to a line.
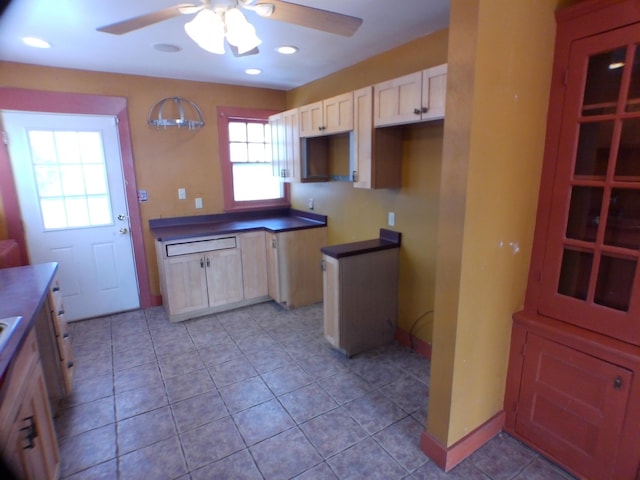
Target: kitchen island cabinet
34	377
27	436
360	282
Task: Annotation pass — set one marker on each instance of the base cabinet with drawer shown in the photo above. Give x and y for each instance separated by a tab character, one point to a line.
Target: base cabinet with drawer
206	275
28	442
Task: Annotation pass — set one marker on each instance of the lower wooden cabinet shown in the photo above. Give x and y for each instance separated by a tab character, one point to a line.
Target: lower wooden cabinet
577	398
28	442
360	300
293	266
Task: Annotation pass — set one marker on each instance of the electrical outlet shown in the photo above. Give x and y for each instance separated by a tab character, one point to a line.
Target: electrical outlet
182	194
392	219
198	202
310	204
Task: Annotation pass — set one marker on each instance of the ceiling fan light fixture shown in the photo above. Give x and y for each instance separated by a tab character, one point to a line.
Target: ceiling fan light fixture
240	33
207	30
264	9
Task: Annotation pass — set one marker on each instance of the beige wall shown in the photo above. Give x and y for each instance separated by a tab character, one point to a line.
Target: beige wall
356	214
164	159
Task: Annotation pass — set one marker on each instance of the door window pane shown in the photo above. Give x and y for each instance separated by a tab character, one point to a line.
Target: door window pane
594	147
615	279
584	213
604	76
628	161
633	102
623	221
575	273
71	178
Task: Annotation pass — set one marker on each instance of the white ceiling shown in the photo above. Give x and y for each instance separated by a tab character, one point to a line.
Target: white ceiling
70	26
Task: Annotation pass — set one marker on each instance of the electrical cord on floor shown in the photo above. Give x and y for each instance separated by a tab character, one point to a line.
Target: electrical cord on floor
415	322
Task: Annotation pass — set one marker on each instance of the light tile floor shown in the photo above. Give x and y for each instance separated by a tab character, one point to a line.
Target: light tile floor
250	394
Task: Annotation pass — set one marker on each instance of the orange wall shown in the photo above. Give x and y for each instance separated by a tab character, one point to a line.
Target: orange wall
164	159
356	214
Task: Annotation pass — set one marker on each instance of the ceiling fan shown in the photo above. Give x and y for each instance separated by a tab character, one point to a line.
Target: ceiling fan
217	20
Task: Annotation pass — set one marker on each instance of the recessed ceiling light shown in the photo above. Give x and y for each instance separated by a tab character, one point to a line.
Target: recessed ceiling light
253	71
36	42
167	47
287	49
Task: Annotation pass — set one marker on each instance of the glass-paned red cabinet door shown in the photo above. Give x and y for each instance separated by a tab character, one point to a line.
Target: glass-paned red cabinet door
591	275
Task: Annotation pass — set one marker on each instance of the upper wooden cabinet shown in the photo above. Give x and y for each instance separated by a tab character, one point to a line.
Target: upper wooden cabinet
333	115
573	387
375	161
416	97
285	145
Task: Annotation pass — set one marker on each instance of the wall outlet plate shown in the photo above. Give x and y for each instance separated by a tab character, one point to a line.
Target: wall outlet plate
391	219
182	194
198	202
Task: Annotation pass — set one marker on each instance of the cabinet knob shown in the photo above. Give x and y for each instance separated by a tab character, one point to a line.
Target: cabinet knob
65	335
425	109
202	263
617	383
60	312
323	265
55	288
208	262
354	176
69	364
417	111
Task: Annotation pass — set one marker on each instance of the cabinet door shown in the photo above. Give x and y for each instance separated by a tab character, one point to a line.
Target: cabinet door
363	137
338	114
311	120
273	278
278	153
224	277
254	264
331	300
434	92
292	146
590	275
186	281
572	405
398	101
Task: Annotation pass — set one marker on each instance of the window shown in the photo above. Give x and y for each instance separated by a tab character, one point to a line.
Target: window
245	160
71	178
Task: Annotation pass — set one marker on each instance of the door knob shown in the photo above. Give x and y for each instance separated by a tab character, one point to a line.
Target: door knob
122	217
124	230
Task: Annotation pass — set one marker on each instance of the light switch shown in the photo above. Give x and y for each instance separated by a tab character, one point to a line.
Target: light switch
392	219
198	202
182	194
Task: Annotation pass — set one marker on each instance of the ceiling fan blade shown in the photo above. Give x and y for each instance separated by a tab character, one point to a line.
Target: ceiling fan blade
235	52
316	18
142	21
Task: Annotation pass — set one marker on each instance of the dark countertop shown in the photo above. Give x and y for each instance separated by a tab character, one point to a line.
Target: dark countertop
279	220
388	239
22	292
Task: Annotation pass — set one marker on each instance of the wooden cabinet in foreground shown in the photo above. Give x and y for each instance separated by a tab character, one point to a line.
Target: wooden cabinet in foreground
293	266
28	441
573	384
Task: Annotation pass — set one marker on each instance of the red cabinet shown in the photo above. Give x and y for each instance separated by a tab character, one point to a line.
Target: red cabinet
573	390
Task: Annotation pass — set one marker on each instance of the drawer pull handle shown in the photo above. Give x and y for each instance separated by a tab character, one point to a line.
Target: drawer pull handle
31	433
56	288
65	335
617	383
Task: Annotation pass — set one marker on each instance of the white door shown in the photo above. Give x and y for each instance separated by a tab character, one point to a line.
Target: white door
68	173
